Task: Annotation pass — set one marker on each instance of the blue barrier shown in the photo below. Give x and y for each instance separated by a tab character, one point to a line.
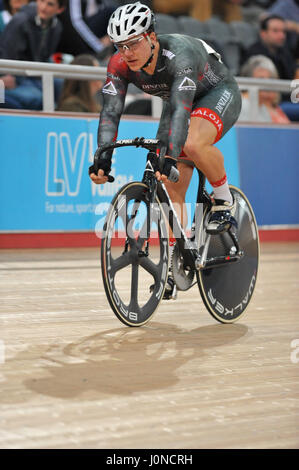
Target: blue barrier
269	169
44	172
45	186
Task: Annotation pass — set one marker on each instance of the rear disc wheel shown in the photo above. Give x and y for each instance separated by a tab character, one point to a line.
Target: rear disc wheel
227	290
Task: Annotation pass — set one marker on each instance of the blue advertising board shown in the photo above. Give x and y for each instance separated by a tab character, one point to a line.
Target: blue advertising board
269	169
44	181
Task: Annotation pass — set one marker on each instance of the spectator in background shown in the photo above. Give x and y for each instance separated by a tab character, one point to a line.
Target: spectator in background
289	11
263	3
80	95
149	3
10	7
85	27
272	44
31	35
226	10
173	7
269	110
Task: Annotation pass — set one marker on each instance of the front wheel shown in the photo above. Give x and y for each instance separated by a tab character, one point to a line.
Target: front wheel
227	290
134	254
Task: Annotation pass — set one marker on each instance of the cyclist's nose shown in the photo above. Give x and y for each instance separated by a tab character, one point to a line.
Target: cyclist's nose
127	52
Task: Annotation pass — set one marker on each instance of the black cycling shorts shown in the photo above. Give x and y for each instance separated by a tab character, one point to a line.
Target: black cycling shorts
221	106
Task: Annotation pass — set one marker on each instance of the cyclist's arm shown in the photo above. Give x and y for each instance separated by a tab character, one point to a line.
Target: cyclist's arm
182	95
164	125
114	94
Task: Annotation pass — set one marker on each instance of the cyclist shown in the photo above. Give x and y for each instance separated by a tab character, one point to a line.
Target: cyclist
201	102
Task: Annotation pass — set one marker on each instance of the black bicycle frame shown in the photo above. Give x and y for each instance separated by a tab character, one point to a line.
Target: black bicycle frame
191	255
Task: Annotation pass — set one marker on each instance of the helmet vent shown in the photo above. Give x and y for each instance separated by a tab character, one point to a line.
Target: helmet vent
129	20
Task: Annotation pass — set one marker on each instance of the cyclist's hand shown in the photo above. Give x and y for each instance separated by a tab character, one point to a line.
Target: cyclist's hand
100	178
99	171
169	172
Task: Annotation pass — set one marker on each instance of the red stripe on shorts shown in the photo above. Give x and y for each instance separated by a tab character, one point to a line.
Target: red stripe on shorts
182	154
211	116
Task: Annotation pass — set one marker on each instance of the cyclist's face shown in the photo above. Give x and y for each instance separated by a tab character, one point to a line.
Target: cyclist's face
46	9
136	51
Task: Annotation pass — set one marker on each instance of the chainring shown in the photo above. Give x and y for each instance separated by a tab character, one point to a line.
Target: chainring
183	278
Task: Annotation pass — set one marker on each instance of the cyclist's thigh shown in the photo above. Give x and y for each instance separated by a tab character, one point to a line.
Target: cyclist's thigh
221	106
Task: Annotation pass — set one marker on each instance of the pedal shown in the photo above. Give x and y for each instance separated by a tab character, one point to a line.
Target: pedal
174	293
170	294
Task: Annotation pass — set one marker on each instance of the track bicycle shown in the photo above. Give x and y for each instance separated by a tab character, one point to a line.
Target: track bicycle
135	249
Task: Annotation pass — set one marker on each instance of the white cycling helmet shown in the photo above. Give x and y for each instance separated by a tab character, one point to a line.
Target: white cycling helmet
128	21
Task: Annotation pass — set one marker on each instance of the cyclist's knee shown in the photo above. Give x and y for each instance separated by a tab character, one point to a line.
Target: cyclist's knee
196	149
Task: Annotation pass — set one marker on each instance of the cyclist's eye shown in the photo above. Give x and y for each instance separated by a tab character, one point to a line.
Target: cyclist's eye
124	48
129	47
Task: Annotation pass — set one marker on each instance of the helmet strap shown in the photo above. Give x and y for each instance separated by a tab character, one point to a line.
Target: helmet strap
147	63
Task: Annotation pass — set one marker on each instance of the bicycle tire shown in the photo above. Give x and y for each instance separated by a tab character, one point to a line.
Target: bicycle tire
135	311
227	290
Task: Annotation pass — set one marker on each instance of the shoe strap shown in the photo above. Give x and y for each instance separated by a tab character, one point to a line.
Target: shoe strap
216	208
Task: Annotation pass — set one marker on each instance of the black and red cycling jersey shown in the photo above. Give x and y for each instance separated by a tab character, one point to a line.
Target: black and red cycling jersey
186	74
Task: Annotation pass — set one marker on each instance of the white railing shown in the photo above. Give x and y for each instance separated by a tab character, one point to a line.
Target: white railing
253	85
49	71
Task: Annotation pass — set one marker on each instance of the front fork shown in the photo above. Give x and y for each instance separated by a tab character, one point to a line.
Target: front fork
185	245
150	181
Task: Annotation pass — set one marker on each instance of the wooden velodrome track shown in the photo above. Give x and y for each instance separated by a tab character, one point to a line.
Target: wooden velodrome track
72	376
